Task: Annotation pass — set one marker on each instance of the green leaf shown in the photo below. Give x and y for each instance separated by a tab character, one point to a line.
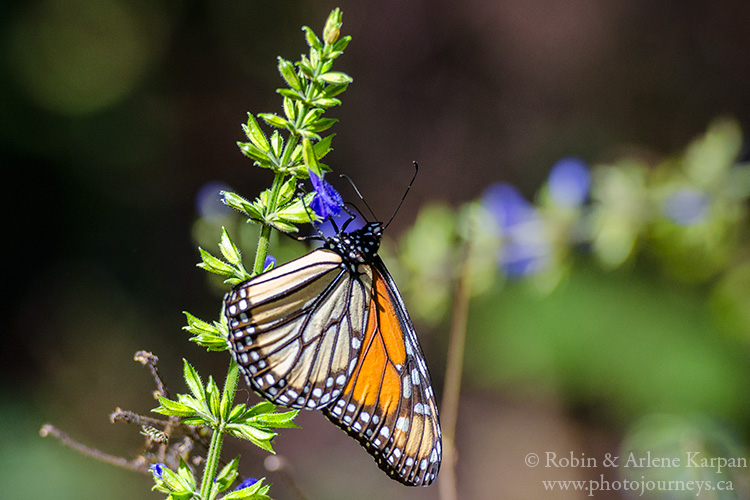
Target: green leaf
173	408
315	59
277	420
228	249
257	491
213	342
326	102
323	147
274	120
332	27
252	151
237	412
340	46
296	212
312	115
255	134
312	39
291	94
212	391
286	193
334	90
336	78
287	71
227	475
325	66
306	67
193	381
308	154
176	483
214	265
196	325
277	143
213	337
186	474
259	437
322	124
261	408
252	210
283	226
290	109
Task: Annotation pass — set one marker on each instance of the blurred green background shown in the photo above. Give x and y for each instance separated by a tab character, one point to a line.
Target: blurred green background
116	113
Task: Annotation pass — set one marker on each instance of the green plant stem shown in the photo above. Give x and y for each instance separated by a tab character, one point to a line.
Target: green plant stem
262	251
265	231
217	438
212	461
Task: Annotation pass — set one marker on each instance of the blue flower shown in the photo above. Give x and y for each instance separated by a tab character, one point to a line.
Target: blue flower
157	469
246	483
327	201
270	261
686	207
569	182
526	248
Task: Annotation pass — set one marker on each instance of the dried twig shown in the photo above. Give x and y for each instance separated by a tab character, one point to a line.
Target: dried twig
454	367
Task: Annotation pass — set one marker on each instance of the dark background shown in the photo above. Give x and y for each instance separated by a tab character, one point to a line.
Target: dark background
114	114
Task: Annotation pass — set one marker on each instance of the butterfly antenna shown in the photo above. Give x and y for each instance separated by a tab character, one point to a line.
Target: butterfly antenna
360	197
416	169
354	207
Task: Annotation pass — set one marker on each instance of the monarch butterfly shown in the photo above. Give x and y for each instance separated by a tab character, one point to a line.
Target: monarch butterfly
329	331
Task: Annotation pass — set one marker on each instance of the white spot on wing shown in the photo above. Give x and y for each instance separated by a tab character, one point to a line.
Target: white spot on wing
406	386
402	424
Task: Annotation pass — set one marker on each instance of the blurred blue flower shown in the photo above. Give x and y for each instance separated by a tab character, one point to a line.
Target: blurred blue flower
157	469
569	182
507	205
327	201
686	206
209	202
246	483
525	249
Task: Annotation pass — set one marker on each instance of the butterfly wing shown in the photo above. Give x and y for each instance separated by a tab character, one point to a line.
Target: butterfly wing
388	404
296	331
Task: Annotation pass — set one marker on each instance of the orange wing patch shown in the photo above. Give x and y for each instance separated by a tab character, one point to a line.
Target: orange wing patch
382	352
387	403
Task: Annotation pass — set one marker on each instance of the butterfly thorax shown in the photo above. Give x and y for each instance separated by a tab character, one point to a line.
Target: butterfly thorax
358	247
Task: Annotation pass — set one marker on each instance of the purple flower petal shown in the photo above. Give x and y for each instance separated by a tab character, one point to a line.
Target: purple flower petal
327	201
569	182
